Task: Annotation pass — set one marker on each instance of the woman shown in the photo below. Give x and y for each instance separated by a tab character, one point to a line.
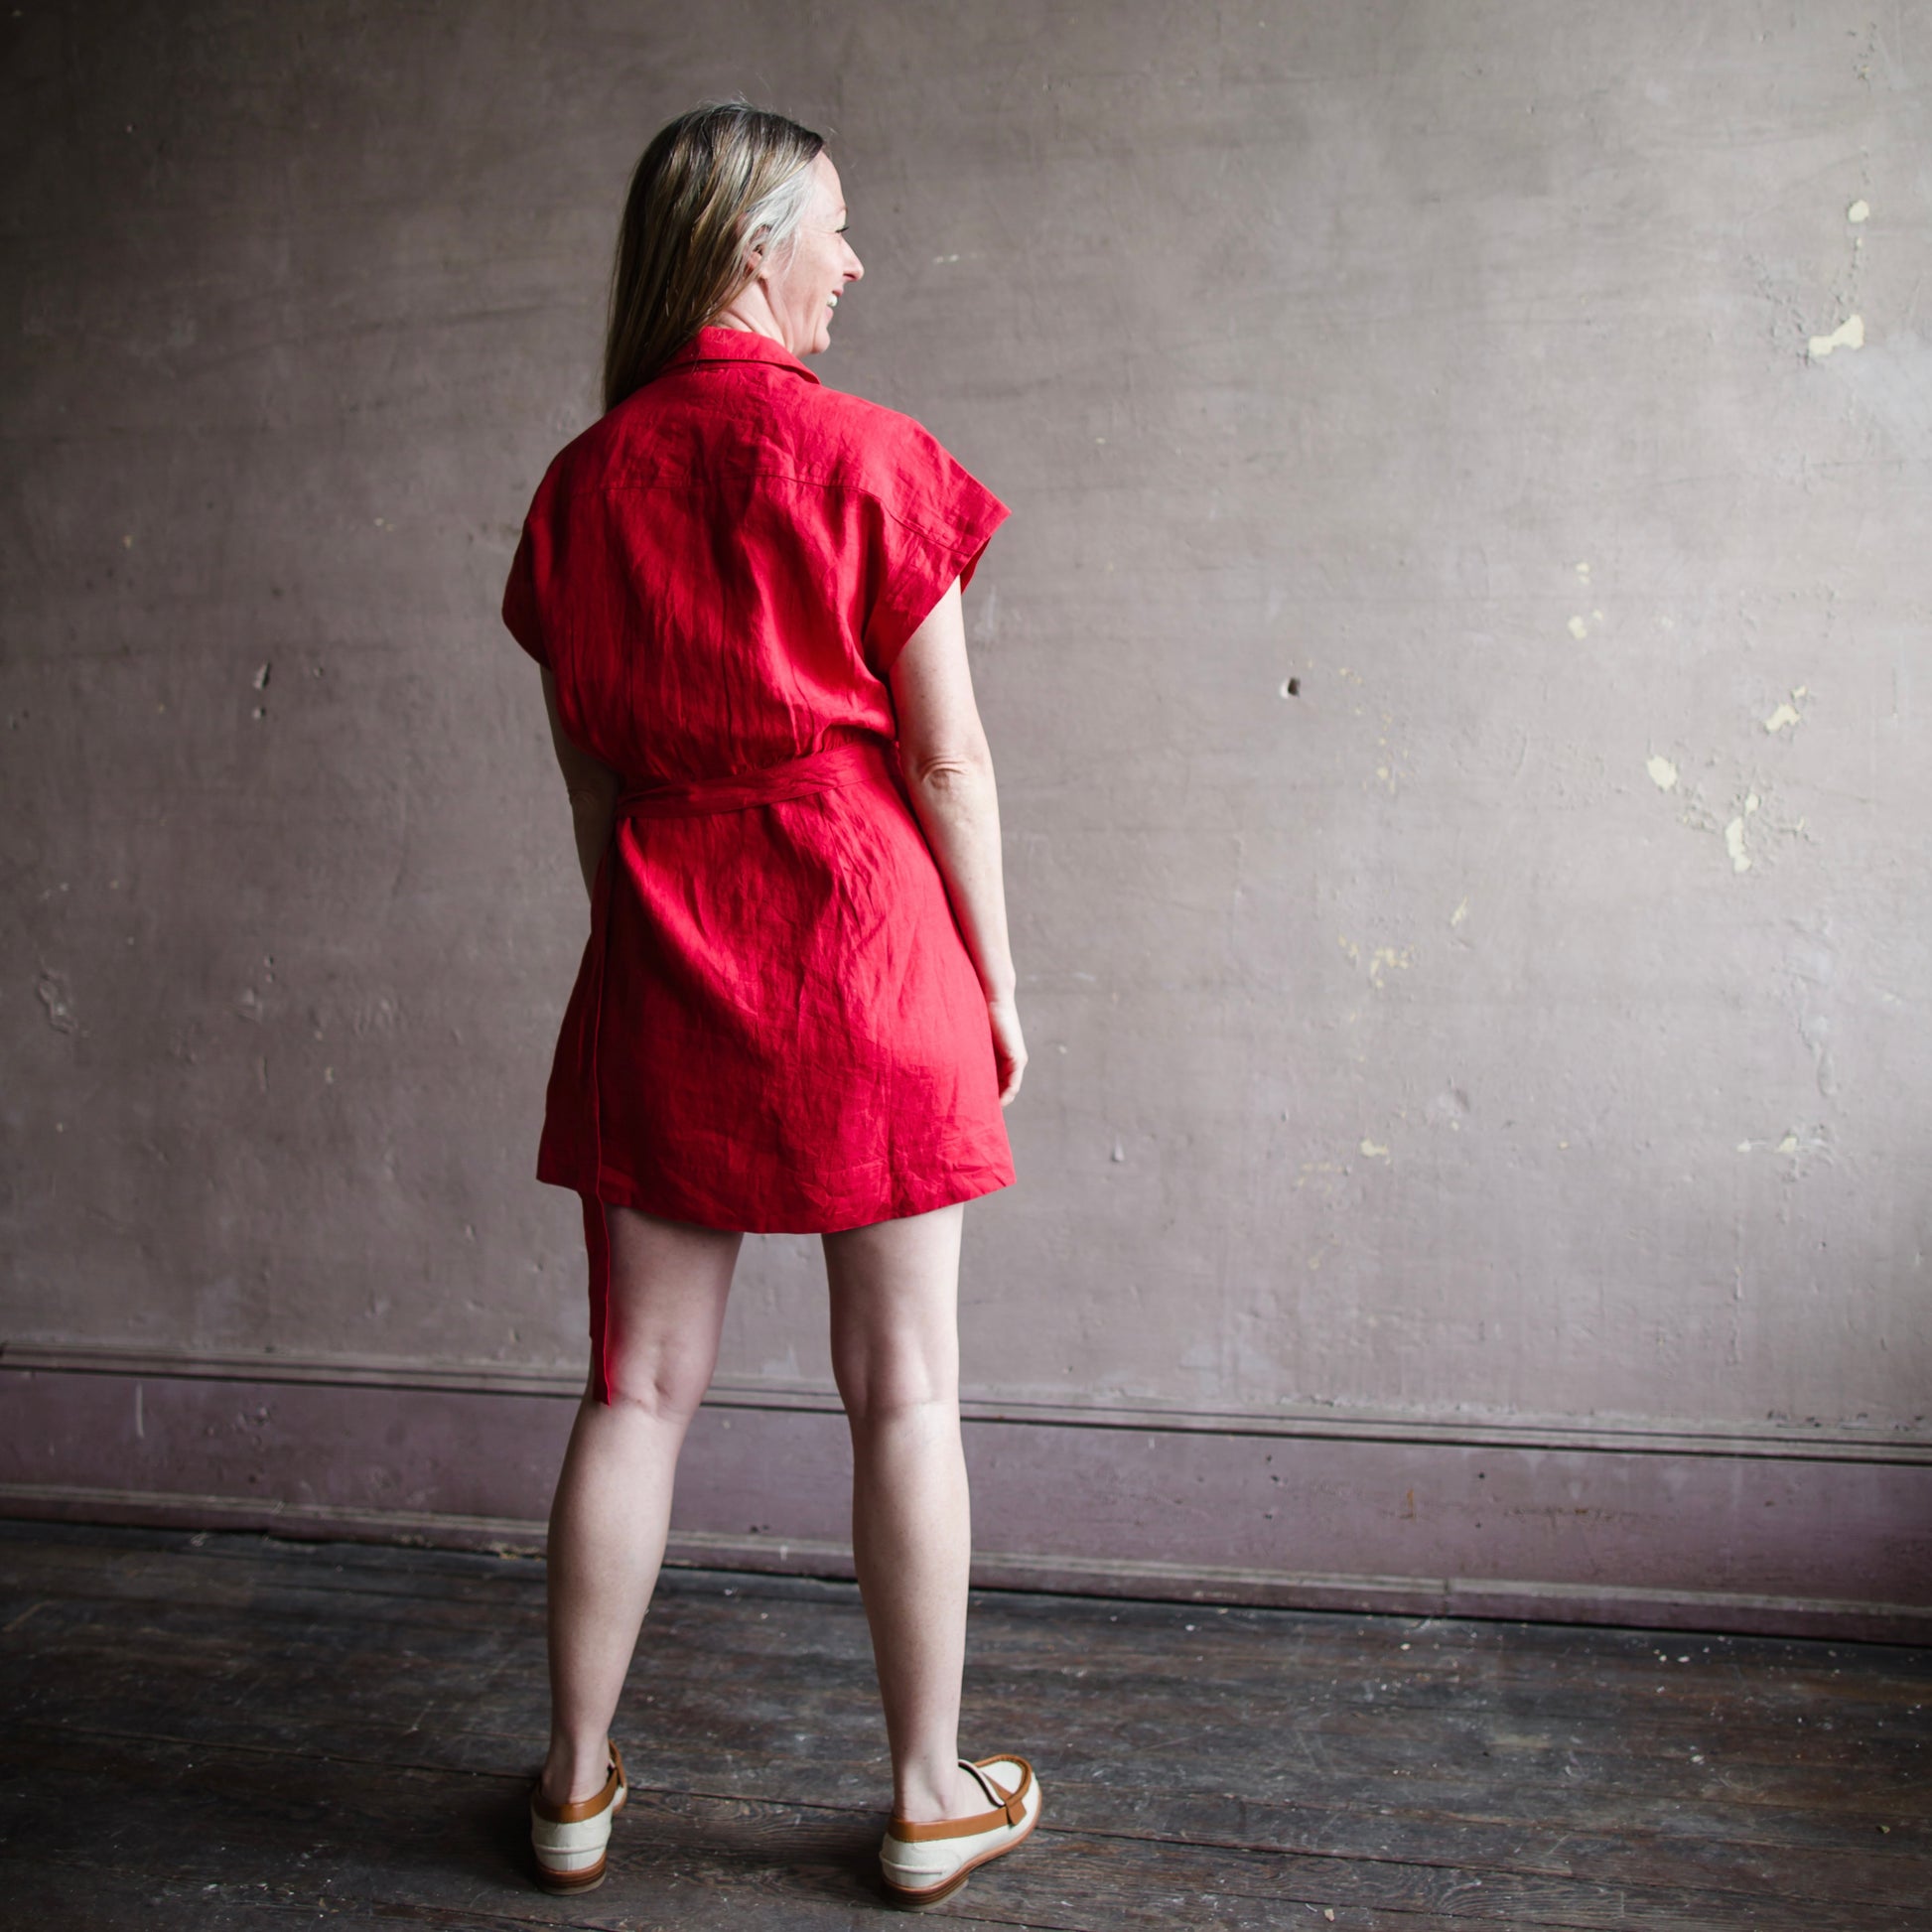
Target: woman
796	1012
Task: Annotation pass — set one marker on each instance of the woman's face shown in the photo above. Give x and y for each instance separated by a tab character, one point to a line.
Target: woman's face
804	284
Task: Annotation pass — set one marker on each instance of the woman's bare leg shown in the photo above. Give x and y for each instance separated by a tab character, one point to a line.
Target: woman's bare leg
669	1282
895	1297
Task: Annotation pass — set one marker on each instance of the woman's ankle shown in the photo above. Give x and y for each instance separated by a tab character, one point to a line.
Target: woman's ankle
925	1800
570	1774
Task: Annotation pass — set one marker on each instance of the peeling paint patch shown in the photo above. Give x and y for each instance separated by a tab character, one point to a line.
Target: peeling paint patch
1663	774
1740	860
1850	334
1461	913
1859	210
1787	714
1375	1150
1578	628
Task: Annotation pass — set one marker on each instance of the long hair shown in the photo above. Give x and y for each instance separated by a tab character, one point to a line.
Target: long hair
712	185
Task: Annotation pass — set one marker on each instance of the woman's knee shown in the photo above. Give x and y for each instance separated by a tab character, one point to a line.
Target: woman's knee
666	1384
882	1384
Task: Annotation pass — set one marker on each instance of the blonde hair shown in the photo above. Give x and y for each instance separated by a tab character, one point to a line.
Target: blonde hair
710	186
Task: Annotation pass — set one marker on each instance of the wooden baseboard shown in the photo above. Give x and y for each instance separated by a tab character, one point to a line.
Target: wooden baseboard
1780	1439
1824	1540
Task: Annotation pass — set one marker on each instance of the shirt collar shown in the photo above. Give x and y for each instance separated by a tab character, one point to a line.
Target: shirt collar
720	345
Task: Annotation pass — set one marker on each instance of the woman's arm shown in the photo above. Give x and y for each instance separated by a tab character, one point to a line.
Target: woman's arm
948	769
592	790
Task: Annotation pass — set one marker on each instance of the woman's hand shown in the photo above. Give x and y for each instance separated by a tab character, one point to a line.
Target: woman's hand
1008	1046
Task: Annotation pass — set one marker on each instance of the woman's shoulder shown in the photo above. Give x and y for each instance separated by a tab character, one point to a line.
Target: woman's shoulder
679	433
877	449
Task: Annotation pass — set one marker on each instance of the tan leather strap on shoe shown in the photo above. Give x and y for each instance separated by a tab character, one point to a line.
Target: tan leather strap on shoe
1011	1810
575	1814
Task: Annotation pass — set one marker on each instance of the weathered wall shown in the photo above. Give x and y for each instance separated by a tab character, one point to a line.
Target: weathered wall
1528	1018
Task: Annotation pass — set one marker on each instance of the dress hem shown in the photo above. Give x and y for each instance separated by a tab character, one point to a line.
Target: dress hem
621	1190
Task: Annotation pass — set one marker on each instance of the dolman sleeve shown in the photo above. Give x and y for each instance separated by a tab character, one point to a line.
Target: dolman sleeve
933	521
520	606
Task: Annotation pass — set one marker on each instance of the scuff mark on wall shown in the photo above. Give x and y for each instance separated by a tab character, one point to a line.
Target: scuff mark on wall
57	997
1796	1145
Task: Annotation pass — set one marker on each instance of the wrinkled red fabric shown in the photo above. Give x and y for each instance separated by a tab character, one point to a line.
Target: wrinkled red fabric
776	1025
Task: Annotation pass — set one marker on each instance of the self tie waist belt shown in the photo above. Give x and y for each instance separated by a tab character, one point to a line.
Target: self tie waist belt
838	764
845	762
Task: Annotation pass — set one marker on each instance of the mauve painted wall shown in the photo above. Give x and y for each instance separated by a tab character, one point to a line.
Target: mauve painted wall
1529	1017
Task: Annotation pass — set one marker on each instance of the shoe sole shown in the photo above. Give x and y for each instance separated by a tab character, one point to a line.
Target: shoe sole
914	1901
572	1881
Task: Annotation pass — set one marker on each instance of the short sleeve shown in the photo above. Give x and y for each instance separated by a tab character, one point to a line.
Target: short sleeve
520	610
934	521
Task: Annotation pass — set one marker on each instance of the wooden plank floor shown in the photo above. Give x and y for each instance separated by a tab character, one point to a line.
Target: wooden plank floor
217	1731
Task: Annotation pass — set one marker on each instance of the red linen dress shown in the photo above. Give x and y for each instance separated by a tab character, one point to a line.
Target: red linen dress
776	1025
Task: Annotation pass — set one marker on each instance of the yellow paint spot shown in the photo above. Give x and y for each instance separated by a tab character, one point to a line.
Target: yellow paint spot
1461	913
1578	627
1663	774
1385	959
1789	1145
1859	210
1787	714
1850	334
1583	570
1375	1150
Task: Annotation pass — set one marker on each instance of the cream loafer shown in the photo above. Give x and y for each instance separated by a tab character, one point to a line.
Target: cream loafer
572	1841
926	1860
